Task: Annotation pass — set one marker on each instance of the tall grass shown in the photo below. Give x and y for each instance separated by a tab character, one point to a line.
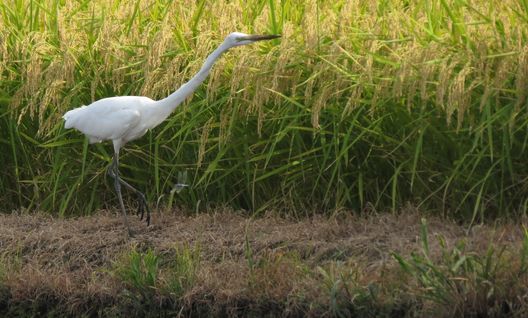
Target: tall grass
359	104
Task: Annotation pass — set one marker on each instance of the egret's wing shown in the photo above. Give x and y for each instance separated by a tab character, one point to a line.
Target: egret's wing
105	123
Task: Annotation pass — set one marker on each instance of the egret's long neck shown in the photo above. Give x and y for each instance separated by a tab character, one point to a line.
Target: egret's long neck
175	99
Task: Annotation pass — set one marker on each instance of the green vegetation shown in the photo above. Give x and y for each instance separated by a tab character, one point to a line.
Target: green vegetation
463	283
359	104
147	282
139	272
182	271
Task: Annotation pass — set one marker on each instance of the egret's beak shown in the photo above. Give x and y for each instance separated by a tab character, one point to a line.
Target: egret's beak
255	38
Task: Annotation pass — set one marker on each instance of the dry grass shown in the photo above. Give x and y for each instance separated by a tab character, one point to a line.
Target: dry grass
246	265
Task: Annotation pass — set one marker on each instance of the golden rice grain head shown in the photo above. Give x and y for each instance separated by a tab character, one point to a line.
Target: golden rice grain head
353	100
160	43
280	59
162	76
504	70
230	19
95	82
225	120
260	98
319	104
310	26
377	94
52	97
521	79
373	47
264	72
411	94
311	81
459	95
427	70
71	43
4	55
163	82
108	45
486	82
444	78
59	78
260	120
35	48
155	84
399	79
206	129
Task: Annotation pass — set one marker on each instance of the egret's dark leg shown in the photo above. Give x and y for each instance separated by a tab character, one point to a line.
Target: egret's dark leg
117	186
142	199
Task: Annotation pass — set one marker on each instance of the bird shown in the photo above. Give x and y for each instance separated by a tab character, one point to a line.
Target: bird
121	119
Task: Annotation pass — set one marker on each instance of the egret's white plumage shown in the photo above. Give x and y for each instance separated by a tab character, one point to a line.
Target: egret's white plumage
125	118
120	119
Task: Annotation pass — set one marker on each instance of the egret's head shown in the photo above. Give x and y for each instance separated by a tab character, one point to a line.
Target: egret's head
237	38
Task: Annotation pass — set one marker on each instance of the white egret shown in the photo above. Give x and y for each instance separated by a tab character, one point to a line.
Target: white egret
125	118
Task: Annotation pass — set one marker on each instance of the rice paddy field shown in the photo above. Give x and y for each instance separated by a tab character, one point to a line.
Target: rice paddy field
408	110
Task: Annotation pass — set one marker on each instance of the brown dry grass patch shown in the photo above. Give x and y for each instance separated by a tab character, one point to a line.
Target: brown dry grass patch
268	264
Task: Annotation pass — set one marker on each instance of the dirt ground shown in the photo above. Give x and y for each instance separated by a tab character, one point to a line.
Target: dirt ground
70	258
96	240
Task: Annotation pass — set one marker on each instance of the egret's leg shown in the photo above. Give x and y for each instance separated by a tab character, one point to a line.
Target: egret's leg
117	186
142	199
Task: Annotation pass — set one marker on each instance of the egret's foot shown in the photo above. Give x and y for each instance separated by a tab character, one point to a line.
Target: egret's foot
142	207
146	208
140	210
148	216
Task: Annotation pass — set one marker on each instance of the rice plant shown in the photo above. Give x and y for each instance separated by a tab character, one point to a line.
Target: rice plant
359	104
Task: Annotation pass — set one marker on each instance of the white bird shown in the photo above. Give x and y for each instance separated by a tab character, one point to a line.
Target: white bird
125	118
